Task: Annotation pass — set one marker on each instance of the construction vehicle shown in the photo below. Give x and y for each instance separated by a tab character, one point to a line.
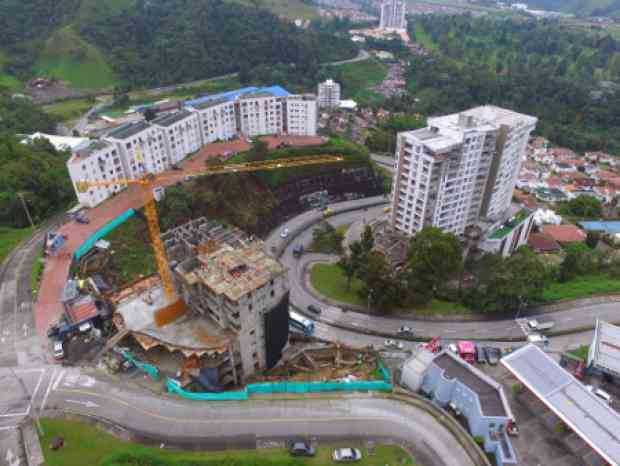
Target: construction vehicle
175	306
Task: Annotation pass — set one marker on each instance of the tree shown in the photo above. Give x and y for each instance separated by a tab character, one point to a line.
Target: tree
579	260
349	268
584	207
258	151
517	281
380	288
368	240
434	258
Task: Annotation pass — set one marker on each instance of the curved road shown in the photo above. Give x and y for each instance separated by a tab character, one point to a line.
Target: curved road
336	324
219	425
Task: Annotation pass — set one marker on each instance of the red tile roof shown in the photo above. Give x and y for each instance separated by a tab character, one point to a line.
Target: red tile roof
564	234
540	242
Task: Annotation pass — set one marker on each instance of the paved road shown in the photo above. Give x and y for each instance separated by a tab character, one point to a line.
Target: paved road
332	320
228	424
19	343
385	161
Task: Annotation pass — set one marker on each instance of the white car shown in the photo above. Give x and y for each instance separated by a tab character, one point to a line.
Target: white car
393	344
284	233
347	455
85	327
59	351
404	330
602	394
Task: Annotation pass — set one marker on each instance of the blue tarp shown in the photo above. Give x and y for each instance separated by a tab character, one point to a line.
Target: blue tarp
610	227
102	232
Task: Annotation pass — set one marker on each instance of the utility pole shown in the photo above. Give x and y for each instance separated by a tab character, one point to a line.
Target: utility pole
25	206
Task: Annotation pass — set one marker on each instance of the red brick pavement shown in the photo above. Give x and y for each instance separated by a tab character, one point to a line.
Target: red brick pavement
48	307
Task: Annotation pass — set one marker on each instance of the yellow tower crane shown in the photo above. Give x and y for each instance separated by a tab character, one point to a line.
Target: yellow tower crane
150	181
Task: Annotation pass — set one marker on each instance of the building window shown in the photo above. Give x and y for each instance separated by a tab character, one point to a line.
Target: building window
252	332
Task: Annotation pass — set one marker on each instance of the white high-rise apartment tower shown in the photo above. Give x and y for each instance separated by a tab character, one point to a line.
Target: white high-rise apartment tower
458	170
393	14
329	94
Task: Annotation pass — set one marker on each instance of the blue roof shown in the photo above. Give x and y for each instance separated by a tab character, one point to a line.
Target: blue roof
610	227
276	91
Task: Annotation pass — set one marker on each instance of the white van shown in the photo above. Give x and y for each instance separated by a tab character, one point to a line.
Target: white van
537	339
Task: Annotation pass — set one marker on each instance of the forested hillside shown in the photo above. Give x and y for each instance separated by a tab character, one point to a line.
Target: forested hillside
569	80
151	42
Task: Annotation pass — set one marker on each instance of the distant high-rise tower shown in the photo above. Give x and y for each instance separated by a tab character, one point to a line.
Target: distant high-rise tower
329	93
393	14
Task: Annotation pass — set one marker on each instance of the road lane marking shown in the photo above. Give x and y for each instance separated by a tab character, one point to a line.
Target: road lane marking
36	389
87	404
9	428
215	421
60	376
49	389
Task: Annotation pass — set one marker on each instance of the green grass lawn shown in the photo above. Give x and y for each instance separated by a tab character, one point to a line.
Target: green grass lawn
581	287
133	254
70	58
69	109
10	238
329	280
87	445
358	78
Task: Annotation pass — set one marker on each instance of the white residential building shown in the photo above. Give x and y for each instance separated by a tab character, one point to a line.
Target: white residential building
97	161
301	115
181	132
329	94
260	113
217	120
142	148
458	170
393	14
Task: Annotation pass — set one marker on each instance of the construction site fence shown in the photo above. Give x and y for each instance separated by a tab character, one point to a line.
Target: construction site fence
268	388
151	370
102	232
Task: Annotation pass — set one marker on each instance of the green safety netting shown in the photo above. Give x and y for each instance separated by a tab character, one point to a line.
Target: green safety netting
102	232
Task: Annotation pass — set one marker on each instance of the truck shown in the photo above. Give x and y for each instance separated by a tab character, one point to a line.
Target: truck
540	326
467	351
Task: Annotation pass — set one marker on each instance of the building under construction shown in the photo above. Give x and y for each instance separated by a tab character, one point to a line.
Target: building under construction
237	301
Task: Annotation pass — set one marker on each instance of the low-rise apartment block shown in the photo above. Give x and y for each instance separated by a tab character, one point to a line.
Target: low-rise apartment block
301	115
151	147
460	169
141	147
181	131
96	161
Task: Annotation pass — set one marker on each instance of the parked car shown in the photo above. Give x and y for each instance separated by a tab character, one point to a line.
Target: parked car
405	331
85	327
480	357
347	455
59	351
493	354
284	233
80	217
300	448
602	394
452	347
315	309
393	344
174	166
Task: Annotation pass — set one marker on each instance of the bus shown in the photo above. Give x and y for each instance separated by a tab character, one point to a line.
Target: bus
300	323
